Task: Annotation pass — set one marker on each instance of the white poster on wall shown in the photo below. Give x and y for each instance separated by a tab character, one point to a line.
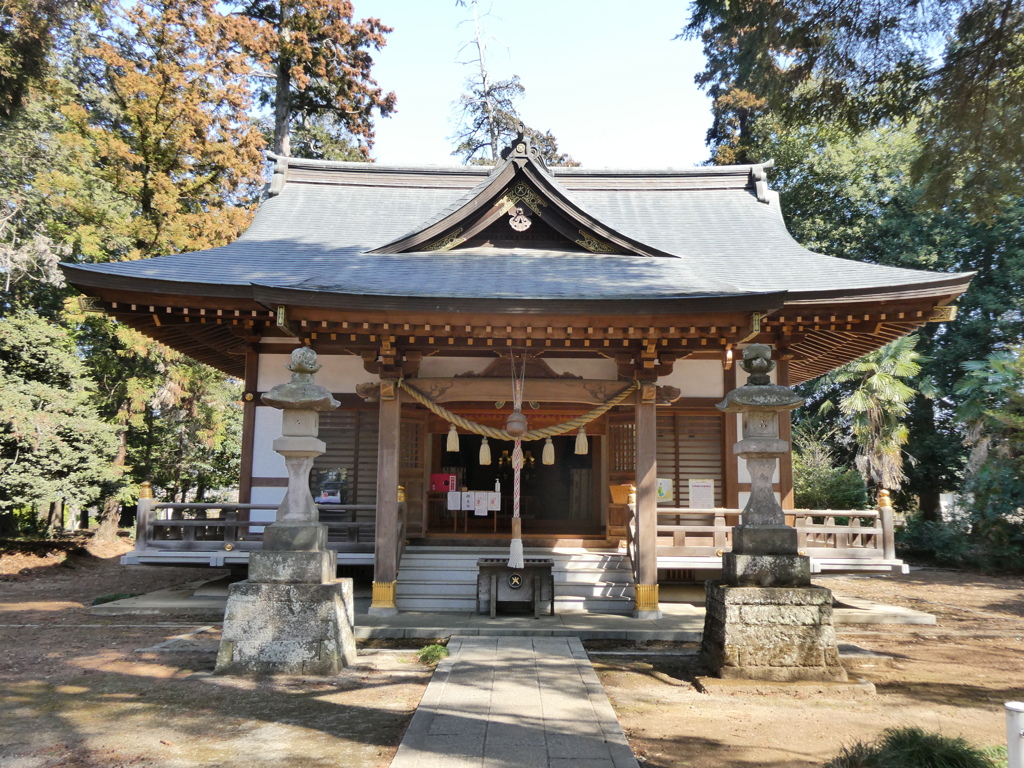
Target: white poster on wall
665	491
702	494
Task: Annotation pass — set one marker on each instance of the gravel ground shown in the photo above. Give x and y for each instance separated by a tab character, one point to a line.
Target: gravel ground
76	691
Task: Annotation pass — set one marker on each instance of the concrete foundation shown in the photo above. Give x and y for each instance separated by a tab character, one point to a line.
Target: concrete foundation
781	634
288	629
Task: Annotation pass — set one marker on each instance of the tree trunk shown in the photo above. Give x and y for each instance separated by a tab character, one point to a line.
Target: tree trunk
56	522
282	113
110	517
931	508
283	92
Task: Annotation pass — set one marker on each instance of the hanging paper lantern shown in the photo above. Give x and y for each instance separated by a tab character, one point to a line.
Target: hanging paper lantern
548	456
582	446
453	439
516	425
485	453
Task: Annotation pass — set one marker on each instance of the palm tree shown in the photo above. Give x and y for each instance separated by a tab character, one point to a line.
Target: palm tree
877	407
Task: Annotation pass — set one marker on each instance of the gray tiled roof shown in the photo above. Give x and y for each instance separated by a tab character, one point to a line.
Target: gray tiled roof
315	235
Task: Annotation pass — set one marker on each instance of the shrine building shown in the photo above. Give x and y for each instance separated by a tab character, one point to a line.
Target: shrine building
627	296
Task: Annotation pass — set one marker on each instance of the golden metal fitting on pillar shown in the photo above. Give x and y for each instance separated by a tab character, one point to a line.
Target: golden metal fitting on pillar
383	594
647	597
401	494
146	490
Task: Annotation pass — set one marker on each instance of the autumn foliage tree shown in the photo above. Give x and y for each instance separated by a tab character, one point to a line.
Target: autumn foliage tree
312	59
138	136
173	140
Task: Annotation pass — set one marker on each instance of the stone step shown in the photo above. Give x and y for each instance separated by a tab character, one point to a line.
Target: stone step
445	578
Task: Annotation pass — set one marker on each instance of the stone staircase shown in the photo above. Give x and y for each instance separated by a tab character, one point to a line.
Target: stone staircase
444	578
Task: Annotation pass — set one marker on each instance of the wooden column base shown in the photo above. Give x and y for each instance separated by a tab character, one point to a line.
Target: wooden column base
647	606
383	603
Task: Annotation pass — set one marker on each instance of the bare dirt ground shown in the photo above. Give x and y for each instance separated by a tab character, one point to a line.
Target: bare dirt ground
952	678
74	691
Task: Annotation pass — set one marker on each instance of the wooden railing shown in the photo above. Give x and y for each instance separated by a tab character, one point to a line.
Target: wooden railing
822	533
198	527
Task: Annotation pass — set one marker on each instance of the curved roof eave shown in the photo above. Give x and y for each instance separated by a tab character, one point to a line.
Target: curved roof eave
269	295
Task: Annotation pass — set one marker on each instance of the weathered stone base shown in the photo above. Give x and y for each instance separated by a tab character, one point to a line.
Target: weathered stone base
782	634
758	570
280	567
288	629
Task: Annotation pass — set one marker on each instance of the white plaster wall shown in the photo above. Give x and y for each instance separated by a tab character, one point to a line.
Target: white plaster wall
588	368
437	367
339	373
265	461
697	378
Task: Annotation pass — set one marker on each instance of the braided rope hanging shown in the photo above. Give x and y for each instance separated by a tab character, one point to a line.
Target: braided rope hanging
515	558
515	549
500	434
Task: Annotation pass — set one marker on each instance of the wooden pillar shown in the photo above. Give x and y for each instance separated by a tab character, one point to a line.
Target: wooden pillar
647	503
785	433
249	401
730	461
385	552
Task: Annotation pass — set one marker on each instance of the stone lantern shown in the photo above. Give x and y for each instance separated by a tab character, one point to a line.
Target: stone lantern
764	620
292	616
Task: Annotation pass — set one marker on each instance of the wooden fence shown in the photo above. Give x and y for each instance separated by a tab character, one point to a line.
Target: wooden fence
199	527
823	533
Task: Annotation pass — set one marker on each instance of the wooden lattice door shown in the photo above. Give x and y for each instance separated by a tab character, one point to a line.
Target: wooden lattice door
413	468
621	467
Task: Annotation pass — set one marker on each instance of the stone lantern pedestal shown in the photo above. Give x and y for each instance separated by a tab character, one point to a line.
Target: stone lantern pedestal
764	620
292	616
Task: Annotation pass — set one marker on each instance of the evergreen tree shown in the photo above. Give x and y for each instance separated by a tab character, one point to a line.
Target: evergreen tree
54	447
851	195
866	65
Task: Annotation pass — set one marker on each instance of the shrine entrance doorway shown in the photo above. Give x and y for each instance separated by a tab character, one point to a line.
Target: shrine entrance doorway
560	499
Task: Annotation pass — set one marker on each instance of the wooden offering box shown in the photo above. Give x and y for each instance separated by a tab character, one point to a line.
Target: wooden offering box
496	583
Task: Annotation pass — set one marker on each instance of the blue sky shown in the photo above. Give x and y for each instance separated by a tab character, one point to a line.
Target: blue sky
605	77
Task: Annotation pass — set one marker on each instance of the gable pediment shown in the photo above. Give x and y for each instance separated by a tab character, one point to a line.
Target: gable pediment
520	206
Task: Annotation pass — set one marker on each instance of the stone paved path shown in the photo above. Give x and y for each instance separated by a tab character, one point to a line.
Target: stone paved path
514	702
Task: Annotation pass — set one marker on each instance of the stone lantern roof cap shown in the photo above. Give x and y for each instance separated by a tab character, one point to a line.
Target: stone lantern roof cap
301	393
759	394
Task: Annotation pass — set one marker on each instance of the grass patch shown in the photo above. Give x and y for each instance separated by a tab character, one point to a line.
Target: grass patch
913	747
432	654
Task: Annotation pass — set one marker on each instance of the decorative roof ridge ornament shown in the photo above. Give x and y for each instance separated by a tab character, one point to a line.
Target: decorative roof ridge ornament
759	175
280	177
521	149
